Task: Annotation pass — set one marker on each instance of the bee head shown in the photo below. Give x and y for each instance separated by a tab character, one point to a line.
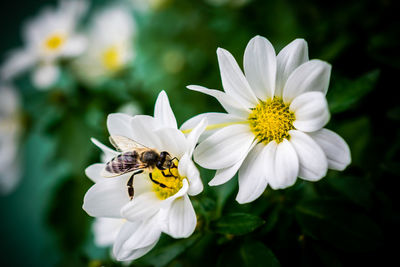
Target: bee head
163	157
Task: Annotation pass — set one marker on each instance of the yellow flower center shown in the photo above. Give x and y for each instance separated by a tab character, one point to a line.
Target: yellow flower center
54	42
112	58
271	120
168	182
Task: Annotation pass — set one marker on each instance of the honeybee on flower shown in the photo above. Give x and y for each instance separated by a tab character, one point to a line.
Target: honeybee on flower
160	203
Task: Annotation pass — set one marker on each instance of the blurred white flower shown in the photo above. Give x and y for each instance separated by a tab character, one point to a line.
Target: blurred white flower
48	38
131	108
160	203
110	46
10	130
273	131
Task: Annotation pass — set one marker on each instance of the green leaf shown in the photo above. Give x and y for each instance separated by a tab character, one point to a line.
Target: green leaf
327	257
357	133
356	189
344	93
257	254
165	252
238	224
339	225
223	193
272	219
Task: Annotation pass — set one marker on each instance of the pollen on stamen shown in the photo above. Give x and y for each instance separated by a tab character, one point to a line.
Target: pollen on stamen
169	182
271	120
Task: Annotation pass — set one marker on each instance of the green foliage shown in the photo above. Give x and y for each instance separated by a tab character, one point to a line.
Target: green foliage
345	228
257	254
237	224
345	94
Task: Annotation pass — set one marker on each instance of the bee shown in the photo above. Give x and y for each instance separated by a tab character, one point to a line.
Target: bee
137	158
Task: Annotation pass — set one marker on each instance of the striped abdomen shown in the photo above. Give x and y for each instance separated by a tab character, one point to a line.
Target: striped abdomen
123	163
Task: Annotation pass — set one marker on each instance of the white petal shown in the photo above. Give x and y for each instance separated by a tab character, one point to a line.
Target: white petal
252	175
288	59
233	80
187	169
141	207
107	197
215	120
224	148
173	141
17	62
94	172
45	75
143	128
142	184
108	152
75	46
313	75
194	135
282	165
230	104
136	239
311	111
166	203
120	124
106	230
179	221
224	175
336	149
260	67
313	162
163	113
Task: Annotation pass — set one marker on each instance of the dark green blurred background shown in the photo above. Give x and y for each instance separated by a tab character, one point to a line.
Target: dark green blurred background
349	218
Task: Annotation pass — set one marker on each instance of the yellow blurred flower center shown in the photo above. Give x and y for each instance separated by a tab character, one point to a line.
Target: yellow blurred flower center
271	120
168	182
54	42
112	58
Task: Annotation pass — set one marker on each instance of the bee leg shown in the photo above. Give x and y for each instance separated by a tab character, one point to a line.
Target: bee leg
168	175
156	182
131	191
173	164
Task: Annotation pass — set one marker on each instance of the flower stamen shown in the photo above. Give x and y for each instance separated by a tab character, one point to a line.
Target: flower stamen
54	42
112	58
167	182
271	120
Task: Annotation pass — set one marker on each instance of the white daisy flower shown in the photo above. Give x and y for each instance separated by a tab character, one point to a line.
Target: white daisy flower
48	38
110	46
10	131
273	130
160	204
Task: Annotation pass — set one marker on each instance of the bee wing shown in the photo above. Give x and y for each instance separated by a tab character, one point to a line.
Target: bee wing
122	143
